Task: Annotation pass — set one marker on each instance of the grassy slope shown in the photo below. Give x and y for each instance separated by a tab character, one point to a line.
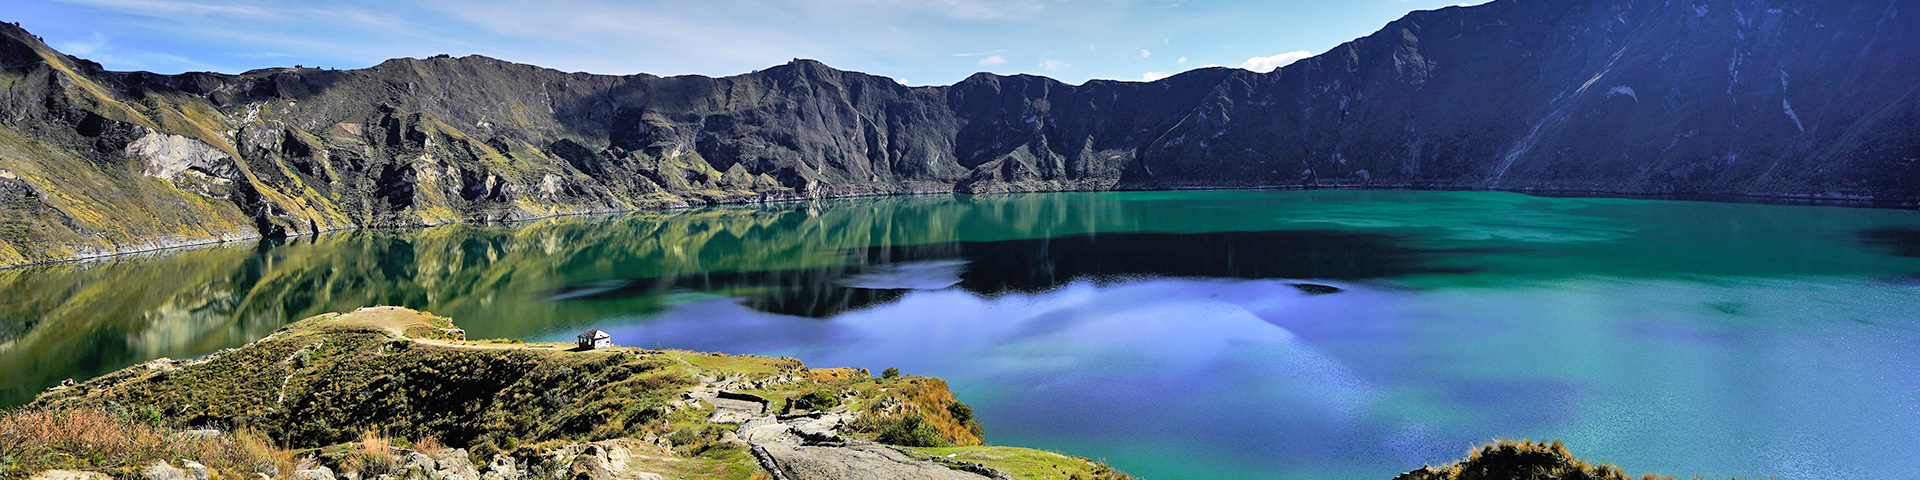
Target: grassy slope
326	381
86	207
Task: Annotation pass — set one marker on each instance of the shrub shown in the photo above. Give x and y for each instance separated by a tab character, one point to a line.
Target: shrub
1522	459
910	430
814	400
890	373
960	411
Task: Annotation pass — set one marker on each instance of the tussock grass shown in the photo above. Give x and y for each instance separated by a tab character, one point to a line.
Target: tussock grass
101	440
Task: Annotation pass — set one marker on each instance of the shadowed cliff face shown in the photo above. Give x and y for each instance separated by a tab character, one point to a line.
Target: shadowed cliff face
1748	97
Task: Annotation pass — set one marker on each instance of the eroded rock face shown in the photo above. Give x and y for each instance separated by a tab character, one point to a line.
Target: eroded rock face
168	156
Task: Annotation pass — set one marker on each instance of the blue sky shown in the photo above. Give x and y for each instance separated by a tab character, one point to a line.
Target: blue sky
923	42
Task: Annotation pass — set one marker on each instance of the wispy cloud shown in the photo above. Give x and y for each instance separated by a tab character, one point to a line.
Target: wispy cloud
187	7
993	60
1052	64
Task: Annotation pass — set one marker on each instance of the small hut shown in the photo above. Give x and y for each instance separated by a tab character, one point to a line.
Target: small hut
595	340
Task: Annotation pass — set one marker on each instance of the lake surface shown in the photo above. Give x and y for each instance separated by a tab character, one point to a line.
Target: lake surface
1224	334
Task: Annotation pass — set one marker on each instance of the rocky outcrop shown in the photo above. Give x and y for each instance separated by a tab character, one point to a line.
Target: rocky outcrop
809	447
1739	97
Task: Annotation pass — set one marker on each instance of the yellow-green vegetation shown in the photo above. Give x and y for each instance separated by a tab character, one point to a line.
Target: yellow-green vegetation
328	379
1026	463
1524	459
330	384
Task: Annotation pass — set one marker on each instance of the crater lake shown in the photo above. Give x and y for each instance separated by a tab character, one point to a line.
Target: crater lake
1190	335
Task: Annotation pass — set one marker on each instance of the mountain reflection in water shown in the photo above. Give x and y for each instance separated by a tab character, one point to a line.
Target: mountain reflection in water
990	268
1199	334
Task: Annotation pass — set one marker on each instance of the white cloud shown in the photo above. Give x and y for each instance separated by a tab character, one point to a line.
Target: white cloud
1052	64
179	7
1144	53
1181	61
1270	63
83	49
901	80
993	60
1151	76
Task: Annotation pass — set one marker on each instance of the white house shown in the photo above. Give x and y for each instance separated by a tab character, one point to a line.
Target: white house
595	340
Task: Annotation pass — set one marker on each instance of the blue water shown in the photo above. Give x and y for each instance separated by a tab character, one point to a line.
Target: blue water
1175	335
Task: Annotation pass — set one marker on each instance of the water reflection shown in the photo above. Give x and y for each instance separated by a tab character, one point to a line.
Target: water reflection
1243	334
882	274
1904	242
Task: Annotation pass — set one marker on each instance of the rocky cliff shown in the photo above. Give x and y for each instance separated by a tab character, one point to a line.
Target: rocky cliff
1768	98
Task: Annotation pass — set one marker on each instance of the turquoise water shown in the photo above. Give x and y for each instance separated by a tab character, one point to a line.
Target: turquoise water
1230	334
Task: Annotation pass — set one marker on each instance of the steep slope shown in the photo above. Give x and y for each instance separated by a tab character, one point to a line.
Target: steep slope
1781	99
1807	99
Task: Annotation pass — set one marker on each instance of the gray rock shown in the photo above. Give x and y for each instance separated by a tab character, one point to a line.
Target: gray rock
195	470
809	448
453	464
320	473
501	467
417	461
69	475
163	471
606	460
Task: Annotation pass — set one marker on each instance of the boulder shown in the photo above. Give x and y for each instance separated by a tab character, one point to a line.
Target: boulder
452	464
320	473
195	470
501	467
417	461
69	475
164	471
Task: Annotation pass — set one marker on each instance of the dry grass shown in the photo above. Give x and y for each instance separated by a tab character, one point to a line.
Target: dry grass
373	456
95	439
377	454
429	444
837	374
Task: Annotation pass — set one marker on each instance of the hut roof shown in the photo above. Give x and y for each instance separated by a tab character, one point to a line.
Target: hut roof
595	334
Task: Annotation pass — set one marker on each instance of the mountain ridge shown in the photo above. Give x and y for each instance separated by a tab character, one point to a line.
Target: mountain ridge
1639	97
